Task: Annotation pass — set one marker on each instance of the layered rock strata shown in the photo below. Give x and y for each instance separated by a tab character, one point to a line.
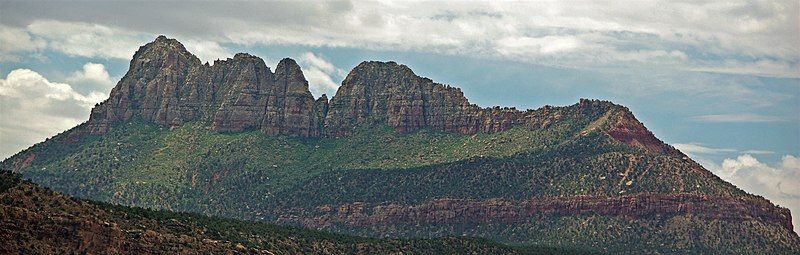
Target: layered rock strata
461	211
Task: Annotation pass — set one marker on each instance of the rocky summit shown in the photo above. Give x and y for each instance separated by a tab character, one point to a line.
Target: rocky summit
167	85
395	155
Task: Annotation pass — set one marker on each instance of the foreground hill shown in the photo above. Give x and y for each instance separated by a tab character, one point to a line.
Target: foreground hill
393	154
34	220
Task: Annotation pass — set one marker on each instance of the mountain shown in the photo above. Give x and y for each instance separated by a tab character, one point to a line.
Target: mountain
36	220
394	155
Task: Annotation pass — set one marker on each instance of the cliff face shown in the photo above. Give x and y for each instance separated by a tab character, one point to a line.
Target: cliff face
150	89
257	99
387	93
463	211
391	94
167	85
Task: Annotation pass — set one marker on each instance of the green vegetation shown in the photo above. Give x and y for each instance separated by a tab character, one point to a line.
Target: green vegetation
145	165
594	168
195	169
30	211
251	176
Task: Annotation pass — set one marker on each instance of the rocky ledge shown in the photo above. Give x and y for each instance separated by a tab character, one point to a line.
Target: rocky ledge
464	211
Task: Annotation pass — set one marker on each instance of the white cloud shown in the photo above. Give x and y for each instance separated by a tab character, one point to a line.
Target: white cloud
320	74
91	73
695	148
758	152
318	62
584	34
16	40
752	37
761	67
91	40
699	151
33	108
207	51
540	45
87	39
778	183
744	117
780	180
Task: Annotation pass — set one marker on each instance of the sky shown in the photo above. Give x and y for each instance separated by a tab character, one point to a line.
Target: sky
719	80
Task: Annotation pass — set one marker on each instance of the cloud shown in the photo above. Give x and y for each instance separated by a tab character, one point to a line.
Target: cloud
93	76
752	37
760	67
320	74
695	148
87	39
778	183
207	51
745	117
540	45
693	91
16	40
758	152
90	40
318	62
33	108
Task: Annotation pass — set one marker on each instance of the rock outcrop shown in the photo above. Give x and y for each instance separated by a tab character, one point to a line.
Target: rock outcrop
157	75
388	93
167	85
